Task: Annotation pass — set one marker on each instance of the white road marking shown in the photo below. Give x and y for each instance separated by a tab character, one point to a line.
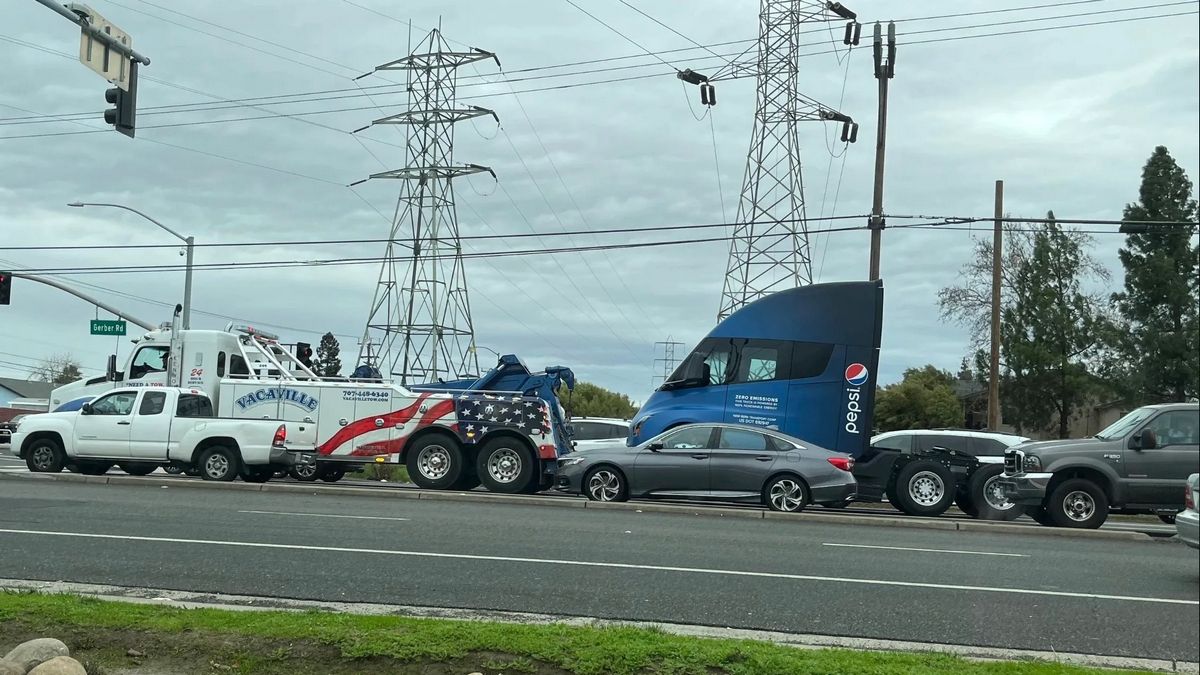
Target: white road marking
320	515
607	565
927	550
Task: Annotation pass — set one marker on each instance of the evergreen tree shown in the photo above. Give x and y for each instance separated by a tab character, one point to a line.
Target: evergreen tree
589	400
1155	341
327	363
1049	333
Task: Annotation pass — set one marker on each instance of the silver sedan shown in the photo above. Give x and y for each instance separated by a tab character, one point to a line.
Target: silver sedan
725	462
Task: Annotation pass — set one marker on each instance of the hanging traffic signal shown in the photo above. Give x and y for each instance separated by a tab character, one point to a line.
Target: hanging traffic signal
304	354
5	287
122	116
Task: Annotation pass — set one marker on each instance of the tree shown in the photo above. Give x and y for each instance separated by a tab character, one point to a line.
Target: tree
327	363
589	400
58	370
1050	332
970	303
923	399
1155	339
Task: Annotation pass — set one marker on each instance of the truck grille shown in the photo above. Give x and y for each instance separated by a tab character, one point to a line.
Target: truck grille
1014	462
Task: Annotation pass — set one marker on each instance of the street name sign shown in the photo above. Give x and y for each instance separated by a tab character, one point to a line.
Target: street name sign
103	327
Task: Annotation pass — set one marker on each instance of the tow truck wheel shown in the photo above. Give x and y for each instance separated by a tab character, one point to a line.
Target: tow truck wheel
987	496
305	473
219	463
94	468
258	474
332	475
435	462
966	504
1079	503
924	488
137	468
506	465
469	479
45	455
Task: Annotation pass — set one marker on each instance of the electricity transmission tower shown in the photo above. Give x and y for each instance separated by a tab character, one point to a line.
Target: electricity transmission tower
420	324
668	360
770	249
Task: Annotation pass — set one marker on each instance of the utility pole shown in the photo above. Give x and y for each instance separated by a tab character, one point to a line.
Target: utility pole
994	373
883	73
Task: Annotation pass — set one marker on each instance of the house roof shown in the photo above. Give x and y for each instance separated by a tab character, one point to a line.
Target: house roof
26	388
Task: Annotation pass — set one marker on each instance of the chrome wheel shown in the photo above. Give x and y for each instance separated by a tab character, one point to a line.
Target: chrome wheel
926	488
786	494
305	471
504	465
604	486
434	462
1079	506
217	465
42	457
994	495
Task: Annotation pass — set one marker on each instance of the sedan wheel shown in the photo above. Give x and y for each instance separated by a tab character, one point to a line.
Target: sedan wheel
605	485
786	494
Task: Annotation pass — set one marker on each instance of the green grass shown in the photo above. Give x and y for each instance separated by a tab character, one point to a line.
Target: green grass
392	473
301	642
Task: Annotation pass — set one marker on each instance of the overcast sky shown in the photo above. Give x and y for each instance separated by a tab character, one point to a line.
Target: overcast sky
1067	118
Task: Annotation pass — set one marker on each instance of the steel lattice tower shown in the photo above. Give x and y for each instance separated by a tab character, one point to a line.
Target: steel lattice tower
420	319
769	251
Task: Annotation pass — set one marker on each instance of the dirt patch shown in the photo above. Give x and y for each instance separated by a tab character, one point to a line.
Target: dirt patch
132	652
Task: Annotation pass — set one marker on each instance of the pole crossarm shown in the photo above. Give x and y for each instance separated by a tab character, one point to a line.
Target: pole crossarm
428	172
427	116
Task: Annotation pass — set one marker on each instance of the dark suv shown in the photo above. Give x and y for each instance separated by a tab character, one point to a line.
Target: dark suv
1139	464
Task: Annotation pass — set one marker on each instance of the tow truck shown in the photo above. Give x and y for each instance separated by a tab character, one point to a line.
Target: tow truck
505	430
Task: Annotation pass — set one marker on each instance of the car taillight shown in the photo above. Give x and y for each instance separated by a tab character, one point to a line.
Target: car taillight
280	436
843	463
1188	502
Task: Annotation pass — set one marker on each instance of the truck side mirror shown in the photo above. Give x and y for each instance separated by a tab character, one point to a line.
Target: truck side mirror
110	370
85	409
1149	440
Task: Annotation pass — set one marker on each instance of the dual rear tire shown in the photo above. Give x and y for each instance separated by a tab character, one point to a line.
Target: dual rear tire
502	464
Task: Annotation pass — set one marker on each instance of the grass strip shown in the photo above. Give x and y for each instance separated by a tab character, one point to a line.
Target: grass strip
172	640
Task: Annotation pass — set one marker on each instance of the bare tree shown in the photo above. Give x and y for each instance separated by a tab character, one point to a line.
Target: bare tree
58	370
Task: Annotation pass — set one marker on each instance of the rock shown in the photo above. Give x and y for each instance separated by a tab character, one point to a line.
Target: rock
9	668
133	653
60	665
27	655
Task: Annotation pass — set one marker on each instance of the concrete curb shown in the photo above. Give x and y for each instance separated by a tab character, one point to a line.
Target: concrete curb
638	507
193	600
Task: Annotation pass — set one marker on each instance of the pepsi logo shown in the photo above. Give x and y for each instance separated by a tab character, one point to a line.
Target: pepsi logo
857	373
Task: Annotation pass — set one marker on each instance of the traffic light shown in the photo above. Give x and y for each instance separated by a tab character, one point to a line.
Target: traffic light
304	354
123	115
5	287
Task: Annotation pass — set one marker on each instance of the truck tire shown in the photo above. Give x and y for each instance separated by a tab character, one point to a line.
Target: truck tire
305	473
94	468
45	455
966	504
219	463
1078	503
1039	515
137	468
507	465
924	488
174	469
435	462
258	474
469	479
990	503
332	475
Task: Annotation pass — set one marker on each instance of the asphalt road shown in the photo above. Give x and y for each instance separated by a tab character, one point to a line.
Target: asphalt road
1031	592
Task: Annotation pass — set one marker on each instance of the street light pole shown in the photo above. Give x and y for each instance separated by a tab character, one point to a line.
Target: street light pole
189	241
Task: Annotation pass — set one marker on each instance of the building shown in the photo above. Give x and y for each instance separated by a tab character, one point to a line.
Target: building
13	390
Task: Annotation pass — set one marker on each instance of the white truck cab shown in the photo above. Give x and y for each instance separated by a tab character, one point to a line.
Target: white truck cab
140	429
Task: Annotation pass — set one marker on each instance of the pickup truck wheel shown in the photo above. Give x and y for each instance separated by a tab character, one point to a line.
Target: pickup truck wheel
924	488
1039	515
219	463
45	455
174	469
332	475
137	468
506	465
435	462
257	474
305	473
1079	503
94	468
989	498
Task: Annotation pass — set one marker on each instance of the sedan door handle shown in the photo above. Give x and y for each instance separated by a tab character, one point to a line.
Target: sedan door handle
699	456
124	422
764	458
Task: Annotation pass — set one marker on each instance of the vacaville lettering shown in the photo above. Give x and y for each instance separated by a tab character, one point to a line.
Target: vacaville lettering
268	395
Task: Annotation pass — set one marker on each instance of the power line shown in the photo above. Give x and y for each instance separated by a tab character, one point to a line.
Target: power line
660	23
628	39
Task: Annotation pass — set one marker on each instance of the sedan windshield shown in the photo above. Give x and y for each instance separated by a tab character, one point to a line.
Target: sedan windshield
1124	425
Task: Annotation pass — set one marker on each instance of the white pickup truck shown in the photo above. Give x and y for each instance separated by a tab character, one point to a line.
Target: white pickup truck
140	429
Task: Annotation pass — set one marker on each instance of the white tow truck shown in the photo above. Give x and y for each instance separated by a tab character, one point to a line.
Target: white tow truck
505	430
141	429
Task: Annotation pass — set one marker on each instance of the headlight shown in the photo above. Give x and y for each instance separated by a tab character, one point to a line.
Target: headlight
571	461
1032	463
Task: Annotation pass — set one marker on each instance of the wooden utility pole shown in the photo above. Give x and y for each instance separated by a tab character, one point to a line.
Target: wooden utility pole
884	71
997	248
